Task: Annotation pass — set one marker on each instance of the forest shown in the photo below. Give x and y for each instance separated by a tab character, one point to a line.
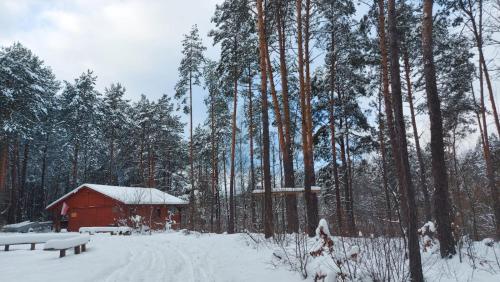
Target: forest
389	107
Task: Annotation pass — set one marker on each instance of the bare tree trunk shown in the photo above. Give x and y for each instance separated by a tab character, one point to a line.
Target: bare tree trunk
74	173
191	176
268	214
14	174
335	172
141	157
214	159
442	207
242	188
313	217
490	172
4	161
111	176
389	111
421	165
477	30
225	182
406	183
23	196
345	179
230	225
291	200
350	210
385	181
311	208
250	136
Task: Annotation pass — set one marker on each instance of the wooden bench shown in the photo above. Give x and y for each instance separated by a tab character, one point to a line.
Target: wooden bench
30	239
120	230
78	242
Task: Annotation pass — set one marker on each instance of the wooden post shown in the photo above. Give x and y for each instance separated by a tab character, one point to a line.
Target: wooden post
6	248
84	248
77	250
32	246
62	253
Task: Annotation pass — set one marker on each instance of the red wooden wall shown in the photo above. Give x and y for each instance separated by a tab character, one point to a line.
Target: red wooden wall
89	208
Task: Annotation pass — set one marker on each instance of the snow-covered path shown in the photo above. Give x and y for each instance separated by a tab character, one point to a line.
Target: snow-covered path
159	257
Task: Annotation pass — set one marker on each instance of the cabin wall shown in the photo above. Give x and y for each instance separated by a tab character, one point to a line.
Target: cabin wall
88	208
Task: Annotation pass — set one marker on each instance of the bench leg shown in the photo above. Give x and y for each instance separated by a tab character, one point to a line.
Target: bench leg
6	248
32	246
77	250
62	253
84	248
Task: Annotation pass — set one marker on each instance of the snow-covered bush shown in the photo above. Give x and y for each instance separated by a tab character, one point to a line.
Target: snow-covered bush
427	232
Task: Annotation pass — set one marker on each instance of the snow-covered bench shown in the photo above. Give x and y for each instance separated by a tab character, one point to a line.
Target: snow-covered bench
31	239
78	242
120	230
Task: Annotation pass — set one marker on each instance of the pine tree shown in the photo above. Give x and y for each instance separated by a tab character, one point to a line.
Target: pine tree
190	71
114	122
405	183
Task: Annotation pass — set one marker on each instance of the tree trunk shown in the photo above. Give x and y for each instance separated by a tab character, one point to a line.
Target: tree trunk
250	136
313	222
213	159
291	200
477	30
490	172
389	111
406	183
423	183
191	172
442	207
14	174
311	208
268	211
225	182
350	210
230	224
385	181
111	176
4	161
333	67
23	197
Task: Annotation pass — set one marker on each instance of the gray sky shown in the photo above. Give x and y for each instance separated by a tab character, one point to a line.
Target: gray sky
134	42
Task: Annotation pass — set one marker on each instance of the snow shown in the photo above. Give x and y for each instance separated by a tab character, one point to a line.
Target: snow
129	195
33	238
92	230
17	225
353	253
314	189
429	226
175	256
66	243
158	257
322	226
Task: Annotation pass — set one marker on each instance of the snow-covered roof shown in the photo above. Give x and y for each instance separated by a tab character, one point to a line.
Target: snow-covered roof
129	195
284	190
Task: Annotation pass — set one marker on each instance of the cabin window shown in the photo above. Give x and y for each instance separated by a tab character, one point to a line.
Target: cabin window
158	212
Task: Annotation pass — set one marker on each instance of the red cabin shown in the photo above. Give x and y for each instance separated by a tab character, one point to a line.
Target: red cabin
92	205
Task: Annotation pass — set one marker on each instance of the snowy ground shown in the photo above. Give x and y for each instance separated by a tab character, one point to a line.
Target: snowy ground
209	257
159	257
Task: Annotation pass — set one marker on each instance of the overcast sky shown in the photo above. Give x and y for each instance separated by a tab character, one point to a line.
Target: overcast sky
134	42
